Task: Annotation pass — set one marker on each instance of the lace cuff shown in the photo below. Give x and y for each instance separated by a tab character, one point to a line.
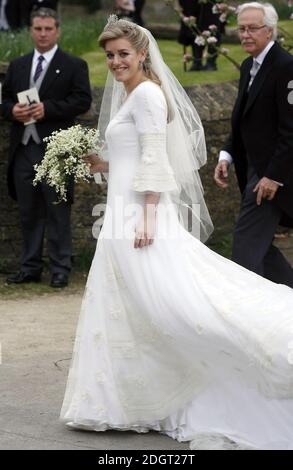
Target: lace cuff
154	172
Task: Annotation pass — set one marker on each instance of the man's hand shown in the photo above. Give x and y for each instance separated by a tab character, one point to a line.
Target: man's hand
266	189
37	111
21	112
221	174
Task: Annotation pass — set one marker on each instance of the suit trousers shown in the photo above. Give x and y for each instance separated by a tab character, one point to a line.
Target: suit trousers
38	214
254	234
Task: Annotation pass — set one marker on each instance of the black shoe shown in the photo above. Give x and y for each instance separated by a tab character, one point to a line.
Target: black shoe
59	280
23	278
210	66
196	66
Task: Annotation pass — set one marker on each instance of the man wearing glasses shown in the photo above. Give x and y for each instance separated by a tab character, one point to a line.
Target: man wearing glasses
261	145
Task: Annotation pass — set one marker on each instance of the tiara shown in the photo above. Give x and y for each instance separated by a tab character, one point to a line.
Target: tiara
113	19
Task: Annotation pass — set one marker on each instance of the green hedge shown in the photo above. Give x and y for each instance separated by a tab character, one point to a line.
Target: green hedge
79	35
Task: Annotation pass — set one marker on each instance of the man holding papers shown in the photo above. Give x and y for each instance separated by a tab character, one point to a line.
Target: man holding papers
43	91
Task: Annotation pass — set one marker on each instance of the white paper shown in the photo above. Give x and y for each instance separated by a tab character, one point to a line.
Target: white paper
30	96
98	178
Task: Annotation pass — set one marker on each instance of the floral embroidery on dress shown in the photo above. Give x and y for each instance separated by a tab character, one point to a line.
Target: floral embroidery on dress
100	377
85	396
115	313
99	409
98	337
123	349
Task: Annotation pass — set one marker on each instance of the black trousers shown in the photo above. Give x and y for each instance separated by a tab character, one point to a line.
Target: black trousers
38	213
254	234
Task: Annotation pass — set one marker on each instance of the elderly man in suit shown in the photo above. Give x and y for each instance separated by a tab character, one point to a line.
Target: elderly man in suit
261	145
63	84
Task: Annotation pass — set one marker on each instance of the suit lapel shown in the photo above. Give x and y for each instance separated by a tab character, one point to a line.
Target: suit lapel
260	77
242	92
26	72
53	71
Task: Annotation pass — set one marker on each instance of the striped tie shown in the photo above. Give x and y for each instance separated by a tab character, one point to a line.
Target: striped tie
253	71
39	68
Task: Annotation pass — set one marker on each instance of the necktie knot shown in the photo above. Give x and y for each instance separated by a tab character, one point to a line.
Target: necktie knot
39	68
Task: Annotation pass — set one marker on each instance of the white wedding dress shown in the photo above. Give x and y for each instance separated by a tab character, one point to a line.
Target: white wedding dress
173	337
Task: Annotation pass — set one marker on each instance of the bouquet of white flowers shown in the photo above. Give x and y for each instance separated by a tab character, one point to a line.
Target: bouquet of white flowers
62	158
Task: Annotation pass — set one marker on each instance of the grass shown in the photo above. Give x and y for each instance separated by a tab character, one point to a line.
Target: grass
172	54
79	34
77	282
221	244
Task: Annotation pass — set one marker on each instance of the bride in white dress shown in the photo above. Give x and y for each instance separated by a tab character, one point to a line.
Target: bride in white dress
172	337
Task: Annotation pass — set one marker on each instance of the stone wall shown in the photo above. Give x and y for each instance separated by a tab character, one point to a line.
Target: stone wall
214	104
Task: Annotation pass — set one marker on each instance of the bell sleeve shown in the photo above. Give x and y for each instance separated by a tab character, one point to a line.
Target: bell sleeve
149	113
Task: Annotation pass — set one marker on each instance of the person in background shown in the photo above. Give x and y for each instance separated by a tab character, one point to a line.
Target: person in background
124	8
261	145
137	18
63	84
18	11
204	17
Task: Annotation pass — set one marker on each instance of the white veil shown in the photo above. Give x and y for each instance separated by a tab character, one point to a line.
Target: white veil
185	139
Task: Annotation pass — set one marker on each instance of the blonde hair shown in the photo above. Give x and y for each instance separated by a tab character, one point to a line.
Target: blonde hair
137	38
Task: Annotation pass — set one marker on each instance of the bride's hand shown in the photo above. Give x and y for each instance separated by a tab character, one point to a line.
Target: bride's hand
94	162
145	229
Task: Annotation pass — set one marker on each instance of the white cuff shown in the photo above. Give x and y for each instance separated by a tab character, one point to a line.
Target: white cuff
225	156
277	182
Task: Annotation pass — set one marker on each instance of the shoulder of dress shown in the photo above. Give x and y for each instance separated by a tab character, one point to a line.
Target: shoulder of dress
148	90
147	87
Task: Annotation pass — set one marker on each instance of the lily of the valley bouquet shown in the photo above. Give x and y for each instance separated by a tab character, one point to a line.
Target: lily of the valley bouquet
63	158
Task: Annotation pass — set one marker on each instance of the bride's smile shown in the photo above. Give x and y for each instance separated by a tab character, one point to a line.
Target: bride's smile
125	62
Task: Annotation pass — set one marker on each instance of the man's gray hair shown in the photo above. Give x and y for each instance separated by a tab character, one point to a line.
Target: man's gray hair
45	13
270	14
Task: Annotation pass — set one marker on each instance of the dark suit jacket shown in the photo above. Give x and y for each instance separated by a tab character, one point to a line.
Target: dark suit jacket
18	11
65	92
262	125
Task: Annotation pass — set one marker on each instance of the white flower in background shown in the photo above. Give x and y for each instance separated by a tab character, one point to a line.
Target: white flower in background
224	50
189	20
223	17
62	158
187	58
206	34
199	40
212	40
219	8
213	27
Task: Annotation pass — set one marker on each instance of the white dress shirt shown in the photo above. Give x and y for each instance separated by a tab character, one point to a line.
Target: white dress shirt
259	59
48	56
3	20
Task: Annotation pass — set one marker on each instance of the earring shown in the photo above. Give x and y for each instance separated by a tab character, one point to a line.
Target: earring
140	64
